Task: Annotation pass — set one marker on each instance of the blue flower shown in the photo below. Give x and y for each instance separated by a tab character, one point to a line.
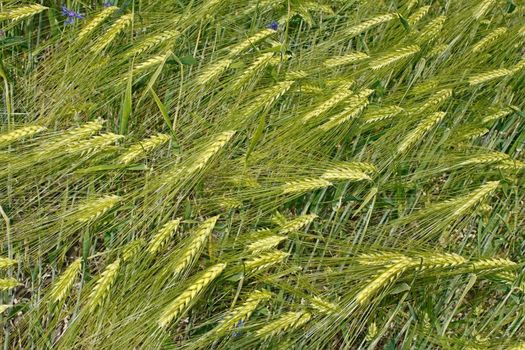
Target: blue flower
108	3
239	325
273	25
71	15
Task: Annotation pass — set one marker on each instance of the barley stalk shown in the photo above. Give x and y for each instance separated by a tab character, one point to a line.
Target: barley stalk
177	307
95	208
64	283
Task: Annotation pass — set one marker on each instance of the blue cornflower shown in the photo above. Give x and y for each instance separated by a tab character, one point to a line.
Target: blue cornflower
108	3
273	25
71	15
239	325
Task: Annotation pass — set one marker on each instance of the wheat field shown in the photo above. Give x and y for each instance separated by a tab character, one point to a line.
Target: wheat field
262	174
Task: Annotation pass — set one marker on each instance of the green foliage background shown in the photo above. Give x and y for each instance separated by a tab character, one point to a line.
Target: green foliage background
273	174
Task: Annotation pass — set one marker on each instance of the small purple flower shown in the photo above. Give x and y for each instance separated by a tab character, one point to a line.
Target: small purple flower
239	325
273	25
108	3
71	15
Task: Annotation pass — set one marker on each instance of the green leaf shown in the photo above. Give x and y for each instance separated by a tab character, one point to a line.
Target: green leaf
188	60
126	108
404	22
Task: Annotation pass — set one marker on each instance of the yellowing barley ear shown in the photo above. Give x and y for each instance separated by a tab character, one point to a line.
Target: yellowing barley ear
242	312
431	30
381	114
488	158
304	186
94	144
218	142
19	134
132	249
297	223
368	24
393	57
441	261
380	258
493	264
355	106
6	262
489	39
288	321
254	69
345	173
434	101
73	136
418	15
322	306
342	92
266	243
497	115
22	12
63	284
140	149
249	42
108	37
191	250
483	7
381	281
214	71
96	21
488	76
8	283
466	203
102	288
163	236
267	97
264	261
149	64
421	129
152	41
181	304
95	208
371	332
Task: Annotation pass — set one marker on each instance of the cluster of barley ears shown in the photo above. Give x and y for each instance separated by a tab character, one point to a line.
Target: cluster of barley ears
262	175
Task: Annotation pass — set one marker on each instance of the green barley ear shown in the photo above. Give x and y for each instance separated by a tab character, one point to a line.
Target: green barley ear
418	15
492	265
380	259
322	306
249	42
265	260
140	149
132	249
421	129
304	186
475	197
431	30
366	25
489	39
483	7
242	312
194	245
384	279
488	76
393	57
63	284
350	58
96	21
6	262
19	134
8	283
434	101
181	304
95	208
266	243
101	290
496	116
94	144
297	223
163	236
441	261
112	33
288	321
74	135
22	12
342	94
254	69
371	332
214	71
151	42
380	114
216	145
355	106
